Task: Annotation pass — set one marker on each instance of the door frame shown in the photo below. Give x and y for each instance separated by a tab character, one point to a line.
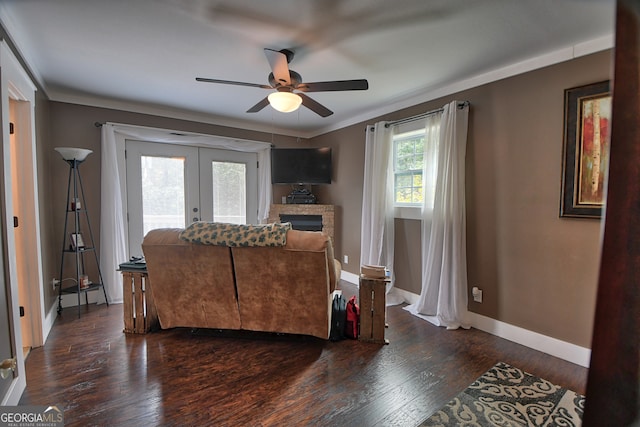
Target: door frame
197	171
15	84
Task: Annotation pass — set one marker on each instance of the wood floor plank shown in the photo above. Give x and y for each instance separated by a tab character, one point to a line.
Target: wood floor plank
102	376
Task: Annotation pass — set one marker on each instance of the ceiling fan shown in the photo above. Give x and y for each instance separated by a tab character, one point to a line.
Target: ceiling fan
289	86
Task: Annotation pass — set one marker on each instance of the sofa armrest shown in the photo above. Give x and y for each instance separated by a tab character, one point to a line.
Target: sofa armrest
316	241
337	267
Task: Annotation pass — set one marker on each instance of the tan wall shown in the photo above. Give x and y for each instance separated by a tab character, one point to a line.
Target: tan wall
345	191
50	256
538	271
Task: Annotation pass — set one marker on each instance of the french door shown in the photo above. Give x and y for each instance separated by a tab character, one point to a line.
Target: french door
175	185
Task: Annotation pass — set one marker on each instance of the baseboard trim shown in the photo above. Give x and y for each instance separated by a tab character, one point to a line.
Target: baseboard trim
71	300
546	344
350	277
15	391
409	297
564	350
49	320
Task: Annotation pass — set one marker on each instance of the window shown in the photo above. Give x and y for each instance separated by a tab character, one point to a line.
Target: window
163	199
415	156
229	192
408	159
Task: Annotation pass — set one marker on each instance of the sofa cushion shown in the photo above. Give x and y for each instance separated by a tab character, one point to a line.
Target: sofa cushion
223	234
298	240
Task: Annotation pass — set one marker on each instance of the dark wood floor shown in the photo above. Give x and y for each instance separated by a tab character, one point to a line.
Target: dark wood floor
102	376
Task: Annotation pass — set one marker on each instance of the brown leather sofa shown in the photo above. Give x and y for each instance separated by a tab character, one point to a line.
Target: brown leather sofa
284	289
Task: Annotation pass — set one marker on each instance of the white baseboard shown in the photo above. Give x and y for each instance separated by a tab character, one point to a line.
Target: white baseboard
49	320
409	297
14	392
71	300
350	277
546	344
564	350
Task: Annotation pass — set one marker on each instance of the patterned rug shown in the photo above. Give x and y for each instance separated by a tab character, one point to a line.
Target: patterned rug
507	396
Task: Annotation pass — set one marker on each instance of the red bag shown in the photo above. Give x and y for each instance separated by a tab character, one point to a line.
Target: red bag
352	325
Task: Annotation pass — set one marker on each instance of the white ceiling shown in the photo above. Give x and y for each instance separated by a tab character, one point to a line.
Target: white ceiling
144	55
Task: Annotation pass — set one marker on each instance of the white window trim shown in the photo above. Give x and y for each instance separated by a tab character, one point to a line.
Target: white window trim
407	210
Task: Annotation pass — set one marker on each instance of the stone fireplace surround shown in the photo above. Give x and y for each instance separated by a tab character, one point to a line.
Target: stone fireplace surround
326	211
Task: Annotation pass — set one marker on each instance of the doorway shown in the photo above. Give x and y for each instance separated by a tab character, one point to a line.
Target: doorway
26	226
174	185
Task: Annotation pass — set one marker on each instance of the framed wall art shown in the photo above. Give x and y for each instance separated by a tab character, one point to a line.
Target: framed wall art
587	123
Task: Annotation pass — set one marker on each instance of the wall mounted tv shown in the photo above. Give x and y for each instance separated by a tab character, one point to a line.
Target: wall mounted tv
301	165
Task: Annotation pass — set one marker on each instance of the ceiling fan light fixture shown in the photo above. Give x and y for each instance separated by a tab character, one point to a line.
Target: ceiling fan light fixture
285	102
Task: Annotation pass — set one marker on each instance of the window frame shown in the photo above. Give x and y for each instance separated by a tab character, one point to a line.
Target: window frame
405	210
410	210
397	139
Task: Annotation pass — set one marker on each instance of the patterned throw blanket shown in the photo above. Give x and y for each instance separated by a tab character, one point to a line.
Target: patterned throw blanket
507	396
223	234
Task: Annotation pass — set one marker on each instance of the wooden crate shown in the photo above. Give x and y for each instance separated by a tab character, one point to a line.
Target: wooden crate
373	310
140	314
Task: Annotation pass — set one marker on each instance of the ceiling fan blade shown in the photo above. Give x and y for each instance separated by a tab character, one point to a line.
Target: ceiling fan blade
338	85
230	82
259	106
315	106
279	66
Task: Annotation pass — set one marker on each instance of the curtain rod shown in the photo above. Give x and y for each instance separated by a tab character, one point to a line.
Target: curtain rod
461	105
98	124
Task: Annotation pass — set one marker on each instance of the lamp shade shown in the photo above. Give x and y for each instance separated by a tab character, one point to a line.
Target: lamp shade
285	102
72	153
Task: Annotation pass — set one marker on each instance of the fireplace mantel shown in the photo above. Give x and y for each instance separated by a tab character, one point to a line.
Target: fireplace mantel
327	212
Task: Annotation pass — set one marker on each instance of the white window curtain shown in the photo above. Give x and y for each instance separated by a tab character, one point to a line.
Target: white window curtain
377	230
443	299
113	233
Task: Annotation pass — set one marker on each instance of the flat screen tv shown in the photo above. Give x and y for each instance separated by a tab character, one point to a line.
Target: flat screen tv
301	165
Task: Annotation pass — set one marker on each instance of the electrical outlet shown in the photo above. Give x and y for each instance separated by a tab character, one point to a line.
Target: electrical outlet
54	283
477	294
345	259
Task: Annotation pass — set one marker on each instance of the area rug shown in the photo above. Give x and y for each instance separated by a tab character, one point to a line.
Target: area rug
507	396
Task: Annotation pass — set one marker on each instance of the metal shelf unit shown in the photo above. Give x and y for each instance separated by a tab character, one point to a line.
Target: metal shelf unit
73	243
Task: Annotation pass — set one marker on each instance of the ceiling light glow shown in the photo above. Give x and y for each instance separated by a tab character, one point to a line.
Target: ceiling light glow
285	102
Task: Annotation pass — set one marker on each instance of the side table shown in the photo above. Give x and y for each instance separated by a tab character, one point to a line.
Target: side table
140	314
373	310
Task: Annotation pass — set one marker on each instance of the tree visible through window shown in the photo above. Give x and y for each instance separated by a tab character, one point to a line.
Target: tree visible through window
408	158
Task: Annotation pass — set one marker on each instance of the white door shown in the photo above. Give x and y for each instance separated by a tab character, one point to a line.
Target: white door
175	185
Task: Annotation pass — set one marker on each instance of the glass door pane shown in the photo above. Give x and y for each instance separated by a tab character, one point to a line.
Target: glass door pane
229	183
163	198
162	189
229	186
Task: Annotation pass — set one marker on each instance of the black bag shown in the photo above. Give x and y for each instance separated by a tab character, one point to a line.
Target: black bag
338	318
